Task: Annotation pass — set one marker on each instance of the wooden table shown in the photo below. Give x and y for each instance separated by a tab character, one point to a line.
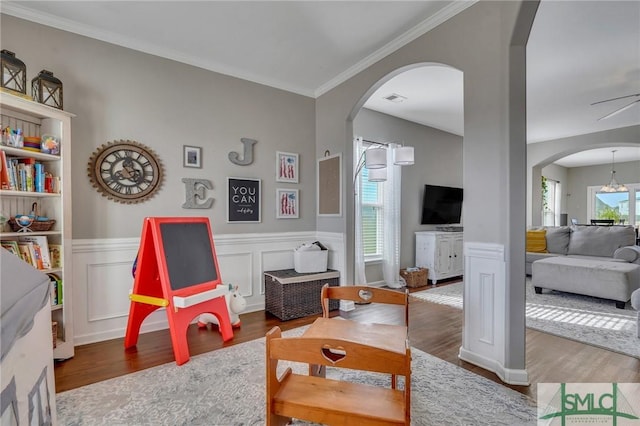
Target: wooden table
384	336
392	338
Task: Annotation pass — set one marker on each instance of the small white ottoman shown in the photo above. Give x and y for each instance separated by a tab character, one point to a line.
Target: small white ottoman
598	278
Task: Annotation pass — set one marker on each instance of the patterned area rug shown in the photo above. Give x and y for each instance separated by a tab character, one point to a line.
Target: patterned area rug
586	319
227	387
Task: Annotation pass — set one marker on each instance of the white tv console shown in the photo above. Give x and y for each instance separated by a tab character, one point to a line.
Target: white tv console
441	253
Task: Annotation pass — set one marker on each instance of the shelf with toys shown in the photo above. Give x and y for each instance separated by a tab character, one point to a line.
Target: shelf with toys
35	200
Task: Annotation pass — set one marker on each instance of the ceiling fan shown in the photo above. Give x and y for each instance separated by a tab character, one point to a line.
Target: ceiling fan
619	110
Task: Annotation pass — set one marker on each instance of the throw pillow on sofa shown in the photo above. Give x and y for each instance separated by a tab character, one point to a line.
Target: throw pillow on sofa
537	241
558	239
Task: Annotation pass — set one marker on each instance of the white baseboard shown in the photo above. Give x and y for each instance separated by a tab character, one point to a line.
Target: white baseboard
507	375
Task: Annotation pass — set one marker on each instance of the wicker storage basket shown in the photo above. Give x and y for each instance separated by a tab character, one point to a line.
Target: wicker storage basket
36	225
290	295
415	278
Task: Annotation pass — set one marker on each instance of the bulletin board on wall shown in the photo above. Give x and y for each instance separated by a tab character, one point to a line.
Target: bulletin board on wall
329	179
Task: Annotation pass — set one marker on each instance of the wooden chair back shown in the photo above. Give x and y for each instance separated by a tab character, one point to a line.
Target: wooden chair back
365	294
330	401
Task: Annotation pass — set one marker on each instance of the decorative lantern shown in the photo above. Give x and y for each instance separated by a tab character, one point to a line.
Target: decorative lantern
47	89
14	72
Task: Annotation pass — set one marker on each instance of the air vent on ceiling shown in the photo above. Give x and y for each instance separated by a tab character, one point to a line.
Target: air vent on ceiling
394	97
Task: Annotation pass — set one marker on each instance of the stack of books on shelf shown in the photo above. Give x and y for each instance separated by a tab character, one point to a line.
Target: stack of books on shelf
26	174
36	250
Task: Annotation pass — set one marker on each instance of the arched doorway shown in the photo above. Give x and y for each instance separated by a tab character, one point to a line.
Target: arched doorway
429	119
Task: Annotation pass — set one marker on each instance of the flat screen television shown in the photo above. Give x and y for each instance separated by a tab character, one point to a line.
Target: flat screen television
441	205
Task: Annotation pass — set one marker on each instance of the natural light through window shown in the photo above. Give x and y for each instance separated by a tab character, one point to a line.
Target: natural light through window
579	317
622	207
372	219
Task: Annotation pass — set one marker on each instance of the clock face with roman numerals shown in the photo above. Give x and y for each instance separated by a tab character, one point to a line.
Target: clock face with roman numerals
125	171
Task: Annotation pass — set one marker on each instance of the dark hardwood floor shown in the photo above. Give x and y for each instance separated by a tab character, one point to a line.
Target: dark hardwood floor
435	329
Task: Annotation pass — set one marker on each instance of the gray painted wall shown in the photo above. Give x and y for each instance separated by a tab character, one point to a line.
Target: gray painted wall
118	93
438	161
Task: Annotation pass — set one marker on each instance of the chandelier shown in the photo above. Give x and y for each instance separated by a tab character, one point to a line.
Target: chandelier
613	185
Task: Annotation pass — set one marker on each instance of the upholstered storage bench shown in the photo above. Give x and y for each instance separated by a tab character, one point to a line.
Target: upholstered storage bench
289	294
605	279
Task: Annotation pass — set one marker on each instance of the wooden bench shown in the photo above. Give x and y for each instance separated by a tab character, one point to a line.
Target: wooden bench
331	401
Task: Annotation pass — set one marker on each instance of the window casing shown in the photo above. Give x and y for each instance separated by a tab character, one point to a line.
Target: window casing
552	201
623	207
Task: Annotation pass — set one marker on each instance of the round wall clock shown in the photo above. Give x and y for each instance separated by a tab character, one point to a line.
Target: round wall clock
125	171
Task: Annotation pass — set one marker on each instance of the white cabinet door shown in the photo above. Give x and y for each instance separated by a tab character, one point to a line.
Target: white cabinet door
445	255
457	266
441	253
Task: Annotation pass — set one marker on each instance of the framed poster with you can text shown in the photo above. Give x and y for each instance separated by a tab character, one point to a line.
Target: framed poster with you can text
243	200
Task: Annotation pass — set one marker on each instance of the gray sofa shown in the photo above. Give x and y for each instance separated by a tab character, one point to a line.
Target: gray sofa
589	242
598	261
635	302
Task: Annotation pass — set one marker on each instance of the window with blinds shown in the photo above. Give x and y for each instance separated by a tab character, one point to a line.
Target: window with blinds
372	210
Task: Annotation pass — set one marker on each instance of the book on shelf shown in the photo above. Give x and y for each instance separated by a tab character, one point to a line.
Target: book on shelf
12	246
42	246
25	253
37	255
55	254
5	182
53	290
56	288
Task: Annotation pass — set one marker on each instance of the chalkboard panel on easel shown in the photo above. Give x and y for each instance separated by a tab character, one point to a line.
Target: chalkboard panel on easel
188	253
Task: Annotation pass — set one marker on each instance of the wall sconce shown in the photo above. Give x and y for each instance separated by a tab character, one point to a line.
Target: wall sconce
46	89
14	72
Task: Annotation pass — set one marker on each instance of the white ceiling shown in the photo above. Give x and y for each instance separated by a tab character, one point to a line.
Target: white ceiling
578	52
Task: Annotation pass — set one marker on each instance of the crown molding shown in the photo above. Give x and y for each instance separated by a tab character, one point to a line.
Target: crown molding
422	28
71	26
22	12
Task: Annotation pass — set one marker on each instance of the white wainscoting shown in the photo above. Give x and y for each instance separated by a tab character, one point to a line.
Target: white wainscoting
102	276
485	303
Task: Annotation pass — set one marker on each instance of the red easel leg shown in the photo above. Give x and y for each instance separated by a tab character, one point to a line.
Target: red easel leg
179	322
137	313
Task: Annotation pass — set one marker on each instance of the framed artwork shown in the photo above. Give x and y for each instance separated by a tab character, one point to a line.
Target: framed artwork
287	203
192	156
329	181
243	200
286	167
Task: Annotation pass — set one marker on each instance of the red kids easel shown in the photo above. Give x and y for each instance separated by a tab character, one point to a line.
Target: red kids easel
178	269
